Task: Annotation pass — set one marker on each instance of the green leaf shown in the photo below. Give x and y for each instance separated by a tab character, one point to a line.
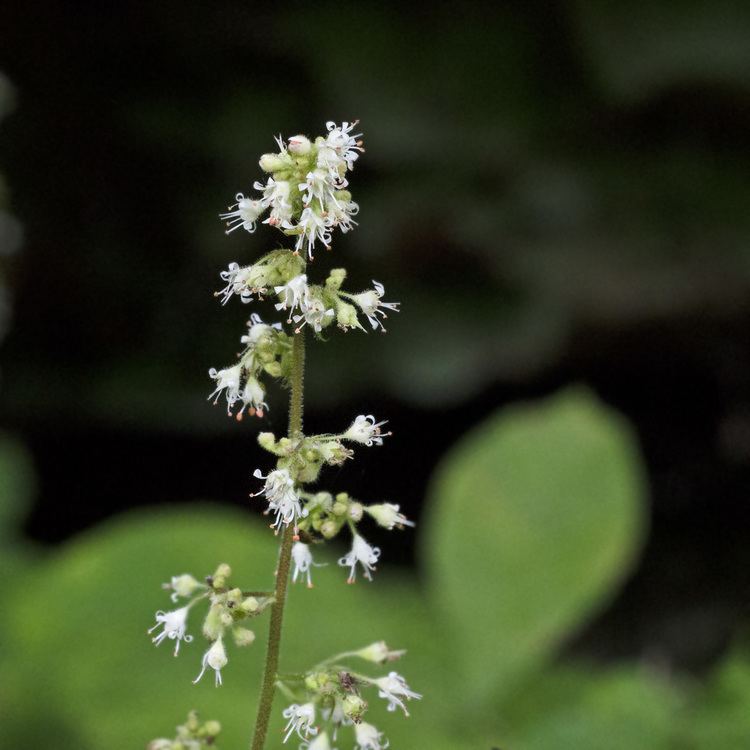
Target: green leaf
536	516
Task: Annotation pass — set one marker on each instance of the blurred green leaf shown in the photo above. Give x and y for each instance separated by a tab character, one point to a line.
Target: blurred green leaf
537	516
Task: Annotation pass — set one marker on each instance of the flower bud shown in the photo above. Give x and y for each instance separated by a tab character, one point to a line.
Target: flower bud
273	369
212	626
243	636
250	605
346	316
272	163
212	728
184	585
355	512
299	145
223	571
354	707
379	653
267	441
329	529
234	597
339	508
336	278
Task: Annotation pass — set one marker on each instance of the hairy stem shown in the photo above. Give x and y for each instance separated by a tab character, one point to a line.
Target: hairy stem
268	686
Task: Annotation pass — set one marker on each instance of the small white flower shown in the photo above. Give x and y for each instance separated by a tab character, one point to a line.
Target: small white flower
340	214
282	499
256	330
318	185
244	213
362	553
371	305
368	737
244	282
303	561
379	653
343	143
314	312
366	430
319	743
216	658
252	396
174	623
276	196
388	515
313	227
300	720
292	294
227	379
392	688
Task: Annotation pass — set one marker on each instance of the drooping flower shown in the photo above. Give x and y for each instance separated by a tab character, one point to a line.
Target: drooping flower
216	658
345	145
300	720
341	212
366	431
174	625
388	515
244	213
303	561
362	553
276	196
252	397
292	294
371	305
243	281
282	499
314	312
379	653
312	227
228	379
368	737
393	688
182	586
318	185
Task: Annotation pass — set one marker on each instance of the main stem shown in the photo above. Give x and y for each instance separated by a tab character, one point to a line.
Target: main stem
268	686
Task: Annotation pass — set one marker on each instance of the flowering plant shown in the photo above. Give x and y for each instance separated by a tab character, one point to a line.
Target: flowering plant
306	197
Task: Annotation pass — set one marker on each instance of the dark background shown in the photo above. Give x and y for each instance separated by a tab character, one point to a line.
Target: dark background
557	192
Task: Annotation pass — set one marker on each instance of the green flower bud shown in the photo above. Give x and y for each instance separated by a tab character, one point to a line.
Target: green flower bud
192	722
299	145
234	597
243	636
183	585
273	369
223	571
250	605
354	707
355	511
329	529
342	497
267	441
342	196
272	163
212	625
335	279
212	728
339	508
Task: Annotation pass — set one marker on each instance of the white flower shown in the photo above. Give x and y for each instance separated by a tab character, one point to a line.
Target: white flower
379	653
314	312
319	743
345	145
216	658
303	561
182	586
366	430
300	720
371	305
393	686
282	499
362	553
227	379
388	515
174	623
276	196
244	282
340	214
256	330
368	737
244	213
252	396
292	294
318	185
313	227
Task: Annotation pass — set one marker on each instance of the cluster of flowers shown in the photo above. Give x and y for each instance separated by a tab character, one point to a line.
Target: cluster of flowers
228	609
192	735
333	691
320	515
306	194
308	304
267	350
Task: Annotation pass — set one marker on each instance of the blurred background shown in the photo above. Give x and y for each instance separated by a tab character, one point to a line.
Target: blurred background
556	192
